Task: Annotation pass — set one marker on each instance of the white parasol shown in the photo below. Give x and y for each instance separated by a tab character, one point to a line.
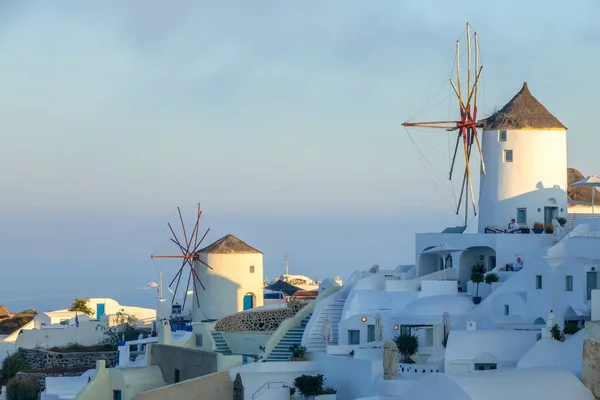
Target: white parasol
378	328
443	250
390	361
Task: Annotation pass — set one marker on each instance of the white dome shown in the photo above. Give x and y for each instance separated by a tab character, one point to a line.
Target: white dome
436	306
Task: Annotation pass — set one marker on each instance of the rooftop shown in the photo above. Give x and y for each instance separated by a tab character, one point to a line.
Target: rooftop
523	111
229	244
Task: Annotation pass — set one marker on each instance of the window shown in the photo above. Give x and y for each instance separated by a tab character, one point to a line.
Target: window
569	283
538	336
116	395
252	269
538	281
485	367
405	330
177	376
508	156
502	136
522	216
370	333
481	257
64	322
506	309
353	336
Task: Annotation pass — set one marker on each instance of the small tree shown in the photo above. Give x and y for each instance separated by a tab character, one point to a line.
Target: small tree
22	389
124	330
491	278
408	345
477	276
10	366
81	304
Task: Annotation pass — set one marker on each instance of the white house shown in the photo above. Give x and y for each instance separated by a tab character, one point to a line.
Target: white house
234	281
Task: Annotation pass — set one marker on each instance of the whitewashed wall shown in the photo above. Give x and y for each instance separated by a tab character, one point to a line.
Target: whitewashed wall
227	283
536	175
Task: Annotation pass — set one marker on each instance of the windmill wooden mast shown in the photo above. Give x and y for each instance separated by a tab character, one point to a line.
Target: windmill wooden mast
189	255
467	125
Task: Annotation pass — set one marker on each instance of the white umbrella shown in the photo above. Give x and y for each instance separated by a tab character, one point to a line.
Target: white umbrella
390	361
593	182
378	328
327	332
443	250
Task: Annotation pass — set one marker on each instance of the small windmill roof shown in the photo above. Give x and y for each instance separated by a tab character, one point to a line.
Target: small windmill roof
229	244
523	112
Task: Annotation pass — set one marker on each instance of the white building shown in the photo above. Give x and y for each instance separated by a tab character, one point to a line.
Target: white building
234	281
524	148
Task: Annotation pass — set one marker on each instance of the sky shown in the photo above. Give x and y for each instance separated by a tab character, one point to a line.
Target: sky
282	118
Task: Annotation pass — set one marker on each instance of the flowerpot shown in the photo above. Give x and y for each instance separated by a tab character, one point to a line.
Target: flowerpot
476	299
549	230
538	230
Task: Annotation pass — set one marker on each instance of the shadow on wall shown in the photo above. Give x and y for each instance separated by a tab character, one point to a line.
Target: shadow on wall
542	205
181	363
223	295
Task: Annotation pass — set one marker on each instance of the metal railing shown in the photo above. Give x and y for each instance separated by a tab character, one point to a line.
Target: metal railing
267	386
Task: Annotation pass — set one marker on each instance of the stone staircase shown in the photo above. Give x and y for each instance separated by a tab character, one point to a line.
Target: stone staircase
314	340
221	343
282	351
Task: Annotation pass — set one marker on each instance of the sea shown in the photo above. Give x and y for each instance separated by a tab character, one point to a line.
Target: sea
124	281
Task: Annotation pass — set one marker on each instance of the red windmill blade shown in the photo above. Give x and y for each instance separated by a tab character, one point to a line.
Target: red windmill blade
467	125
189	254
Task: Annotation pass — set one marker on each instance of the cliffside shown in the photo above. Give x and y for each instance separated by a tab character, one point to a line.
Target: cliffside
579	193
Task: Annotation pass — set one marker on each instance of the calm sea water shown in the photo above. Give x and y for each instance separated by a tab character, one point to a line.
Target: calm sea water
57	291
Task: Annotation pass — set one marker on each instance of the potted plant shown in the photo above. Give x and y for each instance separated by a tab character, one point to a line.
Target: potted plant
408	345
562	221
538	227
311	386
491	278
298	352
549	227
477	277
556	333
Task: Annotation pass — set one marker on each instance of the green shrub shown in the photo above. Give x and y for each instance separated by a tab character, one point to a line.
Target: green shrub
571	329
22	389
10	366
408	345
311	385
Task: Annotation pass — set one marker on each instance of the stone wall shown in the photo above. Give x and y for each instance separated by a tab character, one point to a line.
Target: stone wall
43	359
261	320
40	377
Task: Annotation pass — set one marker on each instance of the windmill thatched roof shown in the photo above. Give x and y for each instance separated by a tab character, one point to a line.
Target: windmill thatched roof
522	112
580	193
229	244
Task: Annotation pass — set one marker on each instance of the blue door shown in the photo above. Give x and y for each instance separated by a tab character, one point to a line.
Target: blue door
248	302
99	310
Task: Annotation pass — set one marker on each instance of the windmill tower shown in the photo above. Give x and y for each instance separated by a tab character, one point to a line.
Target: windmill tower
526	151
466	126
235	281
